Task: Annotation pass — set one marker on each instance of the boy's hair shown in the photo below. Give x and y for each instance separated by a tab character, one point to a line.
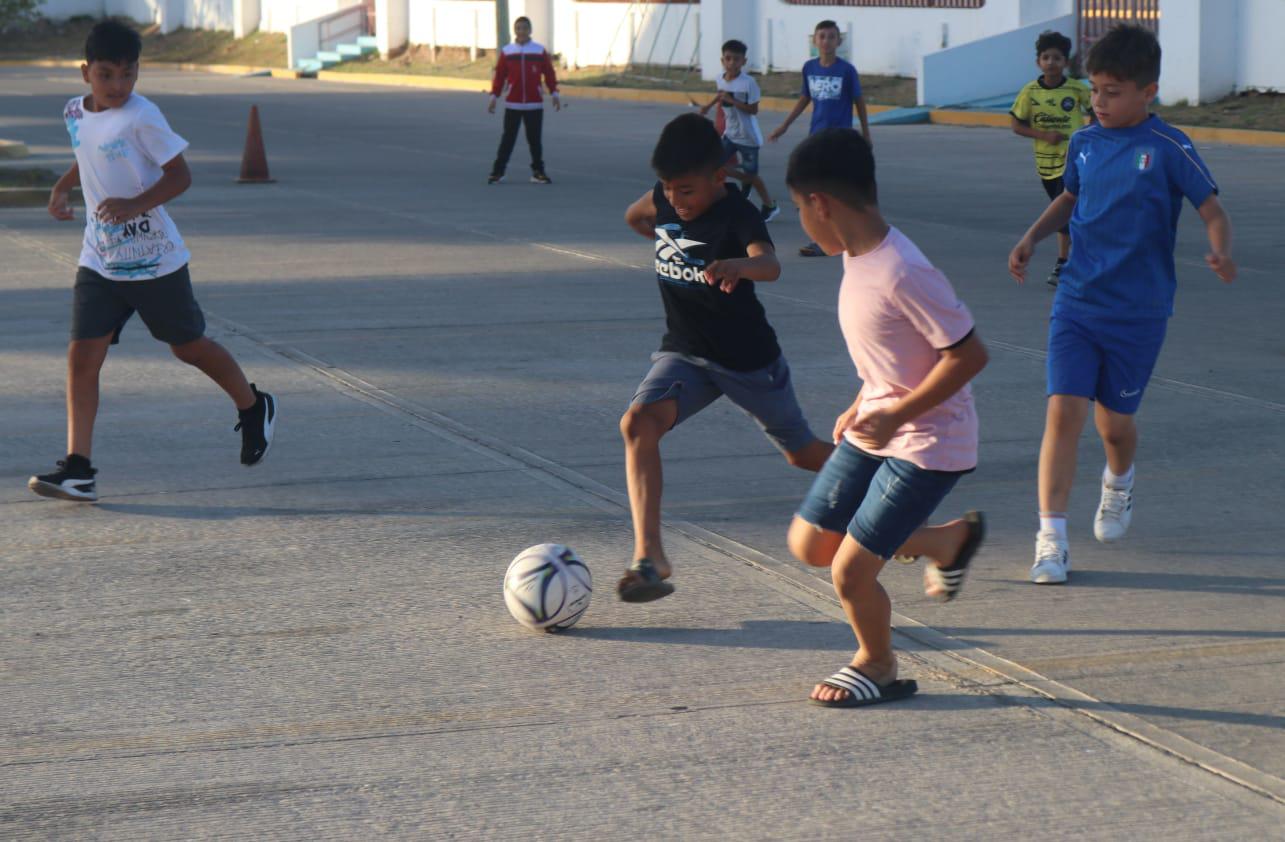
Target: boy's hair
734	46
688	144
1126	52
1050	40
827	24
523	19
838	162
113	41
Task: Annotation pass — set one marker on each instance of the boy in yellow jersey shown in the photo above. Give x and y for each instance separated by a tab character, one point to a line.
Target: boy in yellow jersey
1048	110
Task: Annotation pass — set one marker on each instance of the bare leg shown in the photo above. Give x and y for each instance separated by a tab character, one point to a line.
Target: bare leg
811	456
1063	245
1119	438
642	428
855	573
84	362
1062	426
754	181
217	364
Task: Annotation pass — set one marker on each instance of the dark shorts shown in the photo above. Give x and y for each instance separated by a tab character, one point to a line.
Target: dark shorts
766	394
879	501
749	157
1104	360
101	306
1055	187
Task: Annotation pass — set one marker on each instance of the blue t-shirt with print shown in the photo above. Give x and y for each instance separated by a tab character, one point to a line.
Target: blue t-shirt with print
833	90
1129	185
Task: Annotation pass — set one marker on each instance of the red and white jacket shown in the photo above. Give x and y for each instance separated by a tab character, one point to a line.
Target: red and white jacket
521	67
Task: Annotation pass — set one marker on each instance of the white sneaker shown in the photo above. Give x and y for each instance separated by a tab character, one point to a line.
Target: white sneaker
1114	513
1052	559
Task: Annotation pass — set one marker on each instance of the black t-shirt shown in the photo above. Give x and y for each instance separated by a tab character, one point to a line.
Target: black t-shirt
730	329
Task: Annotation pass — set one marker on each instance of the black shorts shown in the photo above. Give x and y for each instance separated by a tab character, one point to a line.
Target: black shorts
101	306
1055	187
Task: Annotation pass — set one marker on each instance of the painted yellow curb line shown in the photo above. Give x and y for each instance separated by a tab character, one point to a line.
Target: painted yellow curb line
13	149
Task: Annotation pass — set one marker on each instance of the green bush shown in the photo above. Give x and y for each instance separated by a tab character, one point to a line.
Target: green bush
17	13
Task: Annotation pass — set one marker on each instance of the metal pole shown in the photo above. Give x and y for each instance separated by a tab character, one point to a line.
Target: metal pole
501	23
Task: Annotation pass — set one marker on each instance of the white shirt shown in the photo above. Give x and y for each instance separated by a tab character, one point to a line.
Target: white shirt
741	128
120	152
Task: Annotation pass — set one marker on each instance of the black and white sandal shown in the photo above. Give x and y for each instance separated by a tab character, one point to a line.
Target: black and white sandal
863	691
946	582
642	583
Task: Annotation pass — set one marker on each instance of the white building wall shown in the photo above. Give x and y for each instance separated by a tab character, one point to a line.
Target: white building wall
1000	64
1260	59
280	15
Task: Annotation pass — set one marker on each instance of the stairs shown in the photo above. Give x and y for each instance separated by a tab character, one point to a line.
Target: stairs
365	45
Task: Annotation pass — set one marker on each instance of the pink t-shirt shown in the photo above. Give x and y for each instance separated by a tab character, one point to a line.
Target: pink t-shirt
897	312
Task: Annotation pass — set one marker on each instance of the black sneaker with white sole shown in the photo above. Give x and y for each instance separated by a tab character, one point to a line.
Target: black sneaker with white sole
538	177
495	178
74	480
256	427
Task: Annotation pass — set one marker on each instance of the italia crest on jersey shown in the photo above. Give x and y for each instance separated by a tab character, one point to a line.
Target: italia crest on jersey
1144	159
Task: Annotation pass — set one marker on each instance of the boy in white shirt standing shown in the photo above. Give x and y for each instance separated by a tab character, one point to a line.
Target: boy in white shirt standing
129	163
738	96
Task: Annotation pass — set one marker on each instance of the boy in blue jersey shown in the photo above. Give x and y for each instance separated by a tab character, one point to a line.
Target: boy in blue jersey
833	88
1125	181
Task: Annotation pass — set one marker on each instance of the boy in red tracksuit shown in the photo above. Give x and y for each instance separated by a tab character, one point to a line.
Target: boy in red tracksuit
522	65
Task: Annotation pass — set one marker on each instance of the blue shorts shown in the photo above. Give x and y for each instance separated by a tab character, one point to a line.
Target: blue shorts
879	501
749	156
765	394
1106	360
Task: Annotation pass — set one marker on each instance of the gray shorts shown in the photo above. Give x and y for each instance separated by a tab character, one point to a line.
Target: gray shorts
766	395
101	306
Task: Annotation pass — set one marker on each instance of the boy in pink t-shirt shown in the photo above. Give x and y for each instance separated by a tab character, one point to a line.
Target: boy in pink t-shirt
912	430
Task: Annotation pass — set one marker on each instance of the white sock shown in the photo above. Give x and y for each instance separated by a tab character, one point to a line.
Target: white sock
1123	482
1054	523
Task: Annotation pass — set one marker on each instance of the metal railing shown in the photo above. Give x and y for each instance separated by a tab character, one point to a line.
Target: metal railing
342	26
1096	17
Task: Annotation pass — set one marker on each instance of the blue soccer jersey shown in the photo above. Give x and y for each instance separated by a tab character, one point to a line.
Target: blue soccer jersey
1129	185
833	90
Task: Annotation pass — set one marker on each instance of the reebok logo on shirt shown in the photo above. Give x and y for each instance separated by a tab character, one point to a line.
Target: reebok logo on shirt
673	263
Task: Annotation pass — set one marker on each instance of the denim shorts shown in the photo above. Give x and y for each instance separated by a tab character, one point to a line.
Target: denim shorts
879	501
765	394
1106	360
749	156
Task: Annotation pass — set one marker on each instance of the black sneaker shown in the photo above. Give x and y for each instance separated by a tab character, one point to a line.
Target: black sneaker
538	177
1056	274
495	178
770	212
74	480
256	426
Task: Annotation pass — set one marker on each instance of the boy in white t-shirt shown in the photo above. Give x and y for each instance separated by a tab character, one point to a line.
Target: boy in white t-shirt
738	97
910	434
129	163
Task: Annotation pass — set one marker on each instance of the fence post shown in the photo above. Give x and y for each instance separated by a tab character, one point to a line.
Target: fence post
477	24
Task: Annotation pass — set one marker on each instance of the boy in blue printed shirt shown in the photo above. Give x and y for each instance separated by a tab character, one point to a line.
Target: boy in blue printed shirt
129	163
1125	181
833	88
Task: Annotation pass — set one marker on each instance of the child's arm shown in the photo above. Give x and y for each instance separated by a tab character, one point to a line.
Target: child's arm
497	82
747	107
60	195
845	419
1218	227
955	367
1054	218
860	105
175	179
1025	130
794	115
551	82
718	97
641	216
760	265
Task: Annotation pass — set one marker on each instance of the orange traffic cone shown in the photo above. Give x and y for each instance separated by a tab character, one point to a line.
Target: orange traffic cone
254	161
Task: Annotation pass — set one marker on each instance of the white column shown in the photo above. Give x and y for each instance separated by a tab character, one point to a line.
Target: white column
392	25
1198	50
245	17
711	35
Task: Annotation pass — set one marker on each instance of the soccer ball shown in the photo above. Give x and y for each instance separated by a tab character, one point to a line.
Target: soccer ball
547	587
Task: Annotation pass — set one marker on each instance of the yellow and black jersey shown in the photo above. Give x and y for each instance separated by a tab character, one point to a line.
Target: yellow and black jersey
1061	109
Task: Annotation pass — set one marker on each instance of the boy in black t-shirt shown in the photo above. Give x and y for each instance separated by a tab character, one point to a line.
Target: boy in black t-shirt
711	244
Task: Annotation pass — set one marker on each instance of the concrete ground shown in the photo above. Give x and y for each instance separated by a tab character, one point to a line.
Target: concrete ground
317	648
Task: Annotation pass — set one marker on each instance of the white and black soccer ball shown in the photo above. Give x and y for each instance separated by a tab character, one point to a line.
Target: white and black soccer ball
547	587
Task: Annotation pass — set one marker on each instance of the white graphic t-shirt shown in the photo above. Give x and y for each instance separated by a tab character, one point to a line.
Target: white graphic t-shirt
120	152
741	128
